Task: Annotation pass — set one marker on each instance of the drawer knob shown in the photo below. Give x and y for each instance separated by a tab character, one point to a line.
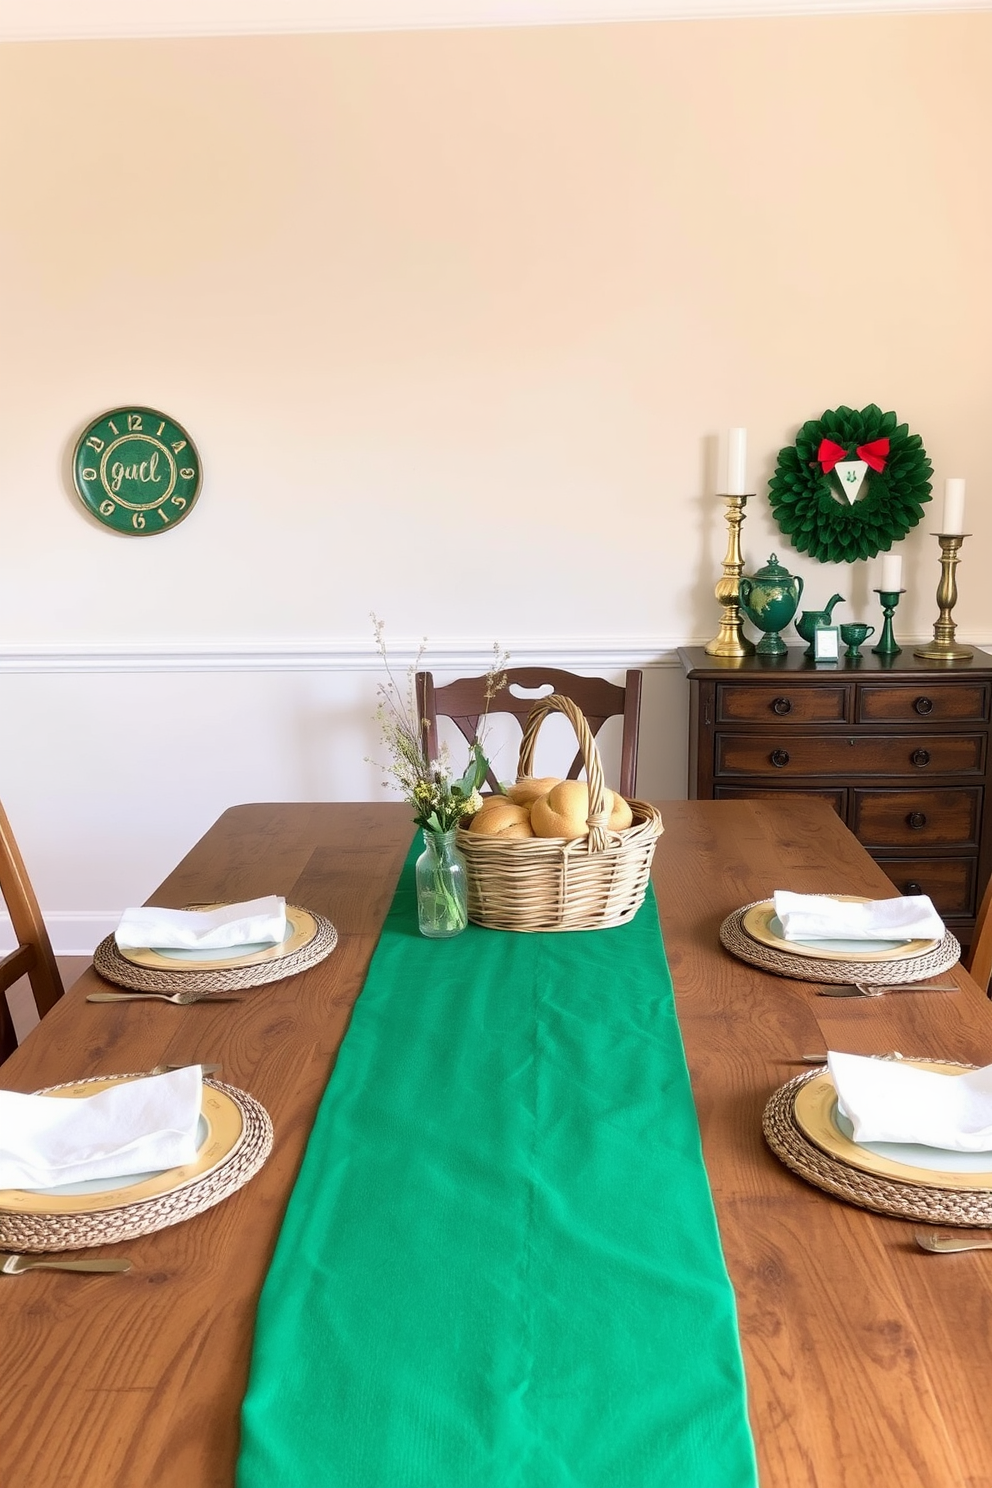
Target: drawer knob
923	705
779	757
912	887
781	706
920	757
917	820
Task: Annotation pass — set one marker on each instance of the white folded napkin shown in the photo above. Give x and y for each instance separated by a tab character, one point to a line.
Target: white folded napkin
887	1100
818	917
255	921
138	1126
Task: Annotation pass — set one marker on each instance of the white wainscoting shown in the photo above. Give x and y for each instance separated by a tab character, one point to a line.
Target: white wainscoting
122	757
117	759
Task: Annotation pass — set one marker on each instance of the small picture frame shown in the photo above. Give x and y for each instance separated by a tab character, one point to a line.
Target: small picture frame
826	643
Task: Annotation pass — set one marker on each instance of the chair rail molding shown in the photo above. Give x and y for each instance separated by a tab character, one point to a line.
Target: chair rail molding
349	655
343	655
68	20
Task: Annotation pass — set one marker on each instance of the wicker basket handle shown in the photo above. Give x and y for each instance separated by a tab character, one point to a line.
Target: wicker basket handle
556	703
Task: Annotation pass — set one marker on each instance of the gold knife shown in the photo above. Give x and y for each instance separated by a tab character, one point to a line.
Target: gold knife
206	1069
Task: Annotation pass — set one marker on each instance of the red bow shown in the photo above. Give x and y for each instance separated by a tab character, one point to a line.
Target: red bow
873	454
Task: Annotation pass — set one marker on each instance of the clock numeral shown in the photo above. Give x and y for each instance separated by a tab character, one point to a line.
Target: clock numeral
107	508
138	521
177	445
187	473
134	422
113	426
179	501
164	515
88	473
95	444
161	426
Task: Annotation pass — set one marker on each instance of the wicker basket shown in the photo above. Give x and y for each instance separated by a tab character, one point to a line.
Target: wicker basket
550	883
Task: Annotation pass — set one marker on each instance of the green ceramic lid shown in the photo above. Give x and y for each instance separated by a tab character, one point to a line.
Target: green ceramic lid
773	570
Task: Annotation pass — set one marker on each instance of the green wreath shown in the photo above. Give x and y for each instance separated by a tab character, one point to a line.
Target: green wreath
886	472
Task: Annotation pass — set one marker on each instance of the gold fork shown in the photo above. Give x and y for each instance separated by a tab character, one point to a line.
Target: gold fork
879	989
16	1265
941	1244
182	999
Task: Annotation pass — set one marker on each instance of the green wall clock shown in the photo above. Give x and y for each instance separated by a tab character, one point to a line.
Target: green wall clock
137	471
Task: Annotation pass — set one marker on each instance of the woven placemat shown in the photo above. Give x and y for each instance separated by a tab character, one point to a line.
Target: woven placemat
44	1232
736	940
114	967
867	1190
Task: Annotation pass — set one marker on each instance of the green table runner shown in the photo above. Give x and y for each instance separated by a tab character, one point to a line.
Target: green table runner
499	1267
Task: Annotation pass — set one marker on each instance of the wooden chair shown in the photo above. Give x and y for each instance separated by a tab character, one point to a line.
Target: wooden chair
464	702
979	959
33	957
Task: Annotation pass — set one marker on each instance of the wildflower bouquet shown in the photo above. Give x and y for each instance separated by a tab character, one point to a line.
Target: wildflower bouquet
439	801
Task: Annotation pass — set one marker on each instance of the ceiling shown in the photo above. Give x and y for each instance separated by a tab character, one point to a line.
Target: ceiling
48	20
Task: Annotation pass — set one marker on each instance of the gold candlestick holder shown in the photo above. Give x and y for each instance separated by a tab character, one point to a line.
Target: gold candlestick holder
944	647
730	639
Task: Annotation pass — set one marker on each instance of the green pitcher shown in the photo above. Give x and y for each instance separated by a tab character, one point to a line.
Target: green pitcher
809	620
770	599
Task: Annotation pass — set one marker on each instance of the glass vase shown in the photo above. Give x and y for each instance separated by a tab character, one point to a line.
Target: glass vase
442	887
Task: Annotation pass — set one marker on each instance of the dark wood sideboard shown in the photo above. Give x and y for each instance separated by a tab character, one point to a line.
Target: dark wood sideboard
898	746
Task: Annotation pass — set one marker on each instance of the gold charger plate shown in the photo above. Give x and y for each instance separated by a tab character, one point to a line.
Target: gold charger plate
301	929
221	1133
757	923
817	1117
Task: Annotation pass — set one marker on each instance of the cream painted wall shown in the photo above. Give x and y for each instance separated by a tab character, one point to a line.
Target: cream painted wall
456	320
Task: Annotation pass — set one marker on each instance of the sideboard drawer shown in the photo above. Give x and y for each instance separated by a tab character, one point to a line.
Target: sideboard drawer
917	819
780	756
950	882
785	704
940	703
835	798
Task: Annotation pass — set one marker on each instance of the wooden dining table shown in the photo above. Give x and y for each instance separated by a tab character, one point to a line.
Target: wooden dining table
867	1360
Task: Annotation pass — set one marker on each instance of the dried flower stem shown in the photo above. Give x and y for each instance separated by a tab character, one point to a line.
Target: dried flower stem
439	802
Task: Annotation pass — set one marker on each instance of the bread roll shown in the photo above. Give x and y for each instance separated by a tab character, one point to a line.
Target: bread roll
564	811
518	829
621	817
491	803
526	791
498	817
497	803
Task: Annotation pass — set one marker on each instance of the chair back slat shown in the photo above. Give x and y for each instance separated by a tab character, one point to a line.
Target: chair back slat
979	961
33	956
464	703
8	1037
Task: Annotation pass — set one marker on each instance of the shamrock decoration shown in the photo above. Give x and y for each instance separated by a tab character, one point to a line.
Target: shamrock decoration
851	485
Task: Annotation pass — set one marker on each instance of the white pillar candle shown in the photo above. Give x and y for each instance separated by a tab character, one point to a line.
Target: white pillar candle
891	573
737	463
953	519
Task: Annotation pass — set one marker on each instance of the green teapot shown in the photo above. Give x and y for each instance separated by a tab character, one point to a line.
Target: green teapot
770	599
810	619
